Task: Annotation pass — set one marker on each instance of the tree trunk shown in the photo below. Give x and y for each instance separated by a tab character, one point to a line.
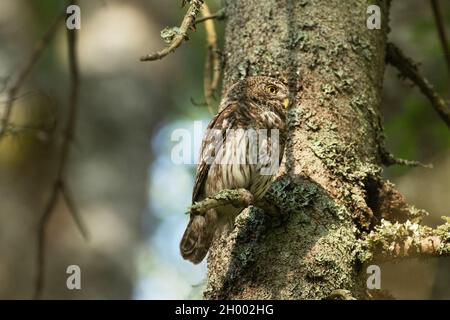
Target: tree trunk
327	188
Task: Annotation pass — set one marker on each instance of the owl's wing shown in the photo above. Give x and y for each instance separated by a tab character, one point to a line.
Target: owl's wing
221	122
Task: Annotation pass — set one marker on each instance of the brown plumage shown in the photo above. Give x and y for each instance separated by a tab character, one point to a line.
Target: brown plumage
256	104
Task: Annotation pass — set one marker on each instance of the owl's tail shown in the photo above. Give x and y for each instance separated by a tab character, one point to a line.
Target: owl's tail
198	237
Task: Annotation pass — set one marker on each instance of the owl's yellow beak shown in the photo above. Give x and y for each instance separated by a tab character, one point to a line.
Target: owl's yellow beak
286	103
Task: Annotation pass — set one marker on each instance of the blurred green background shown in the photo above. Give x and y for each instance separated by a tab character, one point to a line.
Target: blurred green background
128	190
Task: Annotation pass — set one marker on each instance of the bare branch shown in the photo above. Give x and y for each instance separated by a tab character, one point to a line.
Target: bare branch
16	85
391	241
219	15
59	187
212	62
441	30
409	70
238	198
181	35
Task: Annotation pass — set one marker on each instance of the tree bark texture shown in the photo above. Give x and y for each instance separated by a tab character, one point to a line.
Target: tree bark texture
327	188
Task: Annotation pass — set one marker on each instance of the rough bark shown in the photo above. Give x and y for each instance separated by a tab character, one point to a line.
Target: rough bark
329	182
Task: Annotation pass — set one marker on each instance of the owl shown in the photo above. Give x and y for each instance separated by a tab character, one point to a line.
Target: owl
242	148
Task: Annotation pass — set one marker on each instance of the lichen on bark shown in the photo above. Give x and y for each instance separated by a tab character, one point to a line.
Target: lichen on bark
334	66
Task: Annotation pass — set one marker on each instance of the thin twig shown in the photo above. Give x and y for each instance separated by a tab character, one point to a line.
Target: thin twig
59	187
212	62
188	23
16	85
409	70
219	15
441	30
389	159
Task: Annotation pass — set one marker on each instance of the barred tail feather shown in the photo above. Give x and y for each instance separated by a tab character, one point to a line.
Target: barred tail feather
197	238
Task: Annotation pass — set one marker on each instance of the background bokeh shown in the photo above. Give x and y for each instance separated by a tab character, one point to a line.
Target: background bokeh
125	184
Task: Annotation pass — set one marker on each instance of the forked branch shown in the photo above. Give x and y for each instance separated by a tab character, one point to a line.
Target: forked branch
59	188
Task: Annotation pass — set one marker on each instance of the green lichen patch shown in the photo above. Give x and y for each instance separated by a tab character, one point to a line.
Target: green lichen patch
328	90
298	116
168	33
443	231
296	196
400	240
341	159
298	40
360	46
290	196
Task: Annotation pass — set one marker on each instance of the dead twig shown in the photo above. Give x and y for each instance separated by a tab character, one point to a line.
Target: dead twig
389	159
180	34
409	70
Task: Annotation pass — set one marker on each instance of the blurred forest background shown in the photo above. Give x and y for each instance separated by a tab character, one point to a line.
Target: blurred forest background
125	185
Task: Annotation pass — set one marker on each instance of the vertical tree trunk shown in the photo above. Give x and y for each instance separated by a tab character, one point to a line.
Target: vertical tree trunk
334	65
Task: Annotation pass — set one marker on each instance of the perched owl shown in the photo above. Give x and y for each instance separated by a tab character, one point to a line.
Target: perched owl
242	148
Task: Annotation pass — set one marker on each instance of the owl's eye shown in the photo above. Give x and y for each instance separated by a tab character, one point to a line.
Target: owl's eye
272	89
